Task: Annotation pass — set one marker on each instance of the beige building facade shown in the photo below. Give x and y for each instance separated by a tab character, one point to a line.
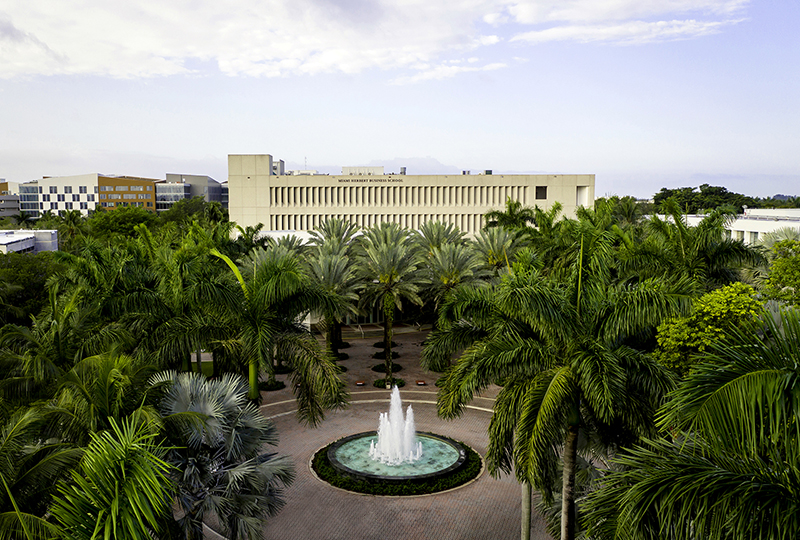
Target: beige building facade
300	202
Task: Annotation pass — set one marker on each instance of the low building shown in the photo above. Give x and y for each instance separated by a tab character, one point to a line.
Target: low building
187	186
367	195
754	223
28	241
9	198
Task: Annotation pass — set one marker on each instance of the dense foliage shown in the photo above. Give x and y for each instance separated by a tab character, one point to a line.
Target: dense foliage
561	313
707	198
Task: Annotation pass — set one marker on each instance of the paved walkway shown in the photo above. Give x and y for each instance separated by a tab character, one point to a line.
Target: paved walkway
486	509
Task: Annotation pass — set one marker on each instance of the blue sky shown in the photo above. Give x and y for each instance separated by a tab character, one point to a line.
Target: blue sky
643	93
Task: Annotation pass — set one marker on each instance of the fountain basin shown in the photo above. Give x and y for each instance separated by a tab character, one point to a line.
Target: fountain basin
441	456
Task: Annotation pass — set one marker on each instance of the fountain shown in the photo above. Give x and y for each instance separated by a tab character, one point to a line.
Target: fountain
397	436
396	453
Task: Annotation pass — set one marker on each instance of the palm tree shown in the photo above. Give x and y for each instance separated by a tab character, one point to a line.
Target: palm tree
274	294
702	253
100	389
22	220
388	267
449	267
732	465
121	489
496	248
221	468
515	217
70	228
337	278
432	235
29	470
559	350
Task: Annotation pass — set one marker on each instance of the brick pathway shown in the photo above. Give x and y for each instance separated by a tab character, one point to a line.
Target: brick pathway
486	509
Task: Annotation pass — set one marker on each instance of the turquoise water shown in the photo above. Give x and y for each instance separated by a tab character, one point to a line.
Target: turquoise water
436	456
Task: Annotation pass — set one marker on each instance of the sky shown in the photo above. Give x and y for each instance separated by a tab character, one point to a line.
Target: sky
644	94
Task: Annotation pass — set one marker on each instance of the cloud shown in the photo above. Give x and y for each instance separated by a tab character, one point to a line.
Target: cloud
445	71
280	38
633	32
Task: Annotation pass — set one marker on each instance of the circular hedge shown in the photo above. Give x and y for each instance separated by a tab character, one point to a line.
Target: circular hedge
341	369
380	345
283	369
381	383
381	355
325	471
266	386
343	356
343	345
381	368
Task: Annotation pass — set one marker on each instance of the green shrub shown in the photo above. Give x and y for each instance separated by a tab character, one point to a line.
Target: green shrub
381	383
267	386
381	355
381	368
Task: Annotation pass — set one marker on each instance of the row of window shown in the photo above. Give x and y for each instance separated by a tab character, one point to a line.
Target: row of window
67	206
125	196
68	189
469	223
401	195
75	197
126	188
139	204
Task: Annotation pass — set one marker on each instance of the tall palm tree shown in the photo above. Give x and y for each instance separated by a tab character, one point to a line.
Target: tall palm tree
336	277
70	228
221	467
732	464
274	294
559	350
449	267
432	235
388	266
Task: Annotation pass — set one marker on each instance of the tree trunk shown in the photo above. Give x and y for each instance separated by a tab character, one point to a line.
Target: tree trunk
199	359
186	362
253	394
525	533
569	458
388	316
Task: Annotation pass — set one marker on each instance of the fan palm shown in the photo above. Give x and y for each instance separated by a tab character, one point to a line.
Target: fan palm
559	350
221	468
733	470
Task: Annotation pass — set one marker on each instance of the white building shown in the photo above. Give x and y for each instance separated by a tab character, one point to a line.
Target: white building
751	226
32	241
367	196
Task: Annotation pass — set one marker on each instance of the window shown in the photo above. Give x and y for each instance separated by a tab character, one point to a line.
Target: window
114	196
121	188
129	196
53	206
149	188
150	204
53	189
61	198
68	206
137	188
541	192
84	206
45	197
102	196
144	196
95	189
106	188
67	189
76	197
90	198
81	189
